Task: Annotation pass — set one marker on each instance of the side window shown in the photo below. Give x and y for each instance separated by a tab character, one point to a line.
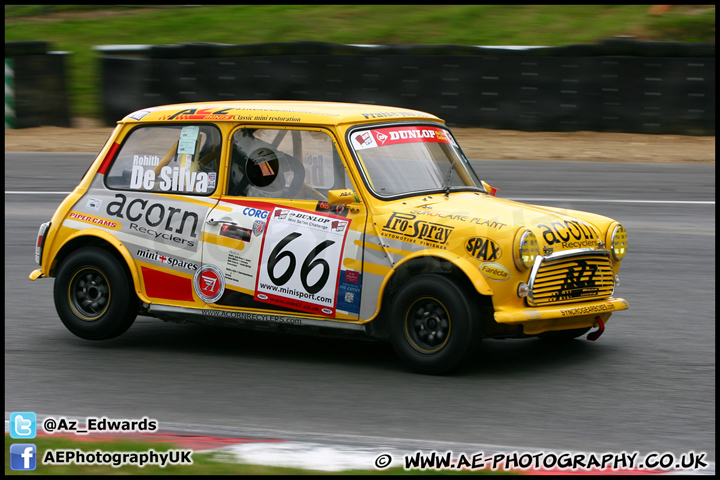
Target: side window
292	164
180	159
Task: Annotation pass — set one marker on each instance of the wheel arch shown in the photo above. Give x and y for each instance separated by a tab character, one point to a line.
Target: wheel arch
438	262
104	240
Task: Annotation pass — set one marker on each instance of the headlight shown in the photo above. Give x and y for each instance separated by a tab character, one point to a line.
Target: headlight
618	242
526	249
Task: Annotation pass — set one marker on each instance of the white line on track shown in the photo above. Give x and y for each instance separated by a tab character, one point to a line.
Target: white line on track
37	193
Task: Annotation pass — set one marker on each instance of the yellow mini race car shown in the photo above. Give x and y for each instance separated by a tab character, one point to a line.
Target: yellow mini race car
324	217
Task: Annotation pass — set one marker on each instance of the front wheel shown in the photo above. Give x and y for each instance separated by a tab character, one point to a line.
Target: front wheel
93	295
435	323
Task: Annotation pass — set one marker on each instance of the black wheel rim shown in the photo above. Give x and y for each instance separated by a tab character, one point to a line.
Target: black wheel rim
427	325
89	294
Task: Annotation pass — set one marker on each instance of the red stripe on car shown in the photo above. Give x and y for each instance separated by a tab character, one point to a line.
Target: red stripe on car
108	158
164	285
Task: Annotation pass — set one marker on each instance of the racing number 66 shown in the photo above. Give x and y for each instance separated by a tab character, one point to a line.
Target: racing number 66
308	265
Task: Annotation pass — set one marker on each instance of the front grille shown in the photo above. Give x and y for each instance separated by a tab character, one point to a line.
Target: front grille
569	277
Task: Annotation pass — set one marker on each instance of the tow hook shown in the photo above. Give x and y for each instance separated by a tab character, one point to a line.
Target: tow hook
592	336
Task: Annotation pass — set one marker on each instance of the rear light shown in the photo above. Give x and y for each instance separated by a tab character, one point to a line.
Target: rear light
40	242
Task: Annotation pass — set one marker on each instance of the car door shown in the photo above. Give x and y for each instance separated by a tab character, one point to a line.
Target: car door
273	242
154	196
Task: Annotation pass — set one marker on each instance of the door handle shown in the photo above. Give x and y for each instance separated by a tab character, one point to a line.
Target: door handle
211	221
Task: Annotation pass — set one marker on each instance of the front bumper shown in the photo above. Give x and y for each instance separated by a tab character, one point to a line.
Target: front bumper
560	317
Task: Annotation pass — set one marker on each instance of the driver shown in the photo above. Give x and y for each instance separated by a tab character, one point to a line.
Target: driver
255	168
259	170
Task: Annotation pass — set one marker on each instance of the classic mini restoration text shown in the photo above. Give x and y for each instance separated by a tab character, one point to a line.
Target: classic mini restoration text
324	217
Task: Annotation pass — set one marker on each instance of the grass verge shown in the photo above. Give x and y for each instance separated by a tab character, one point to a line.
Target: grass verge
78	28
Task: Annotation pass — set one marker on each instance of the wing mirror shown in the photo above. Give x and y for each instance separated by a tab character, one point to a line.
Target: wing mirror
491	190
341	197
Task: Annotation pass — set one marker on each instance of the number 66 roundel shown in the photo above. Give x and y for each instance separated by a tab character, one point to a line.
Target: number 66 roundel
300	260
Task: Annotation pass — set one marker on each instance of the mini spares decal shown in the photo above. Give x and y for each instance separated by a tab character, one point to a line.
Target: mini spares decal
396	135
209	283
165	260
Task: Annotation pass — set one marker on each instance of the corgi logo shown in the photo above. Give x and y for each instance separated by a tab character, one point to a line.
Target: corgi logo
255	212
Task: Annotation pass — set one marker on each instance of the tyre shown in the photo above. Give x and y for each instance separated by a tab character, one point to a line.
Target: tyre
93	295
435	324
560	336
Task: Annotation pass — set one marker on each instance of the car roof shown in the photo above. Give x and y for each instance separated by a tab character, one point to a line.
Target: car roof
276	111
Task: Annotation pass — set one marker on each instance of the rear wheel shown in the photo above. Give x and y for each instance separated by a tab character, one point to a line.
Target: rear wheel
435	324
93	295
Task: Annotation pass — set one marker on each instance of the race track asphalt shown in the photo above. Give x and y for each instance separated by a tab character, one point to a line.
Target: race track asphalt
647	385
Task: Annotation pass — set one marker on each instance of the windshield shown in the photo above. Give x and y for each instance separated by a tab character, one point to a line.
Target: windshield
405	160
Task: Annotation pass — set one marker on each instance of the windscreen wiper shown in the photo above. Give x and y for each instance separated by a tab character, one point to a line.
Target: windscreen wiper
449	179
